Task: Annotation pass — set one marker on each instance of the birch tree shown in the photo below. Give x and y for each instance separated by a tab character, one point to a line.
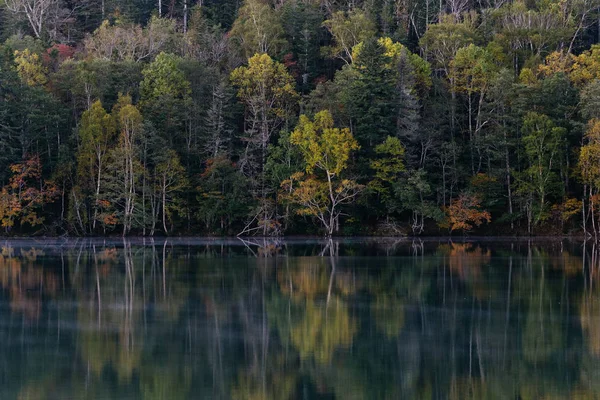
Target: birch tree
267	90
326	151
258	29
130	124
36	12
96	134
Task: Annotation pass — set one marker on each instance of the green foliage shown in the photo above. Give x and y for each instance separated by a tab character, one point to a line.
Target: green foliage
257	29
267	91
302	24
222	196
348	30
170	181
165	96
163	78
444	39
589	156
30	119
387	168
542	142
367	96
590	100
472	70
96	133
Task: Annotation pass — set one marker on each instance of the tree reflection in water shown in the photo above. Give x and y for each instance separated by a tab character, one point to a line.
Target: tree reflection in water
300	319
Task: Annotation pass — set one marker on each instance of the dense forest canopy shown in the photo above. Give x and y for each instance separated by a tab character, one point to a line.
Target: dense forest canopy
275	117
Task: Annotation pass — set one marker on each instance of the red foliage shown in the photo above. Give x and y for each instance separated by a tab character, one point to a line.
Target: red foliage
57	54
291	65
320	79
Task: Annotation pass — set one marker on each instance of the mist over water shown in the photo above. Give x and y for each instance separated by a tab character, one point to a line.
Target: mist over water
299	319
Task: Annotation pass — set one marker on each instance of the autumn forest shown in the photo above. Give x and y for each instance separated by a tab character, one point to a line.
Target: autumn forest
299	117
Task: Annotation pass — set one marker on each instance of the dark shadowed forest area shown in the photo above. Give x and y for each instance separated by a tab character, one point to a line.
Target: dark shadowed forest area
273	117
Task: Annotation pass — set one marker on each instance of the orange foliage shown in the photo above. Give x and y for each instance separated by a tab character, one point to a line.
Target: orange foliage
26	281
110	220
466	259
107	217
567	210
464	212
25	194
580	69
482	180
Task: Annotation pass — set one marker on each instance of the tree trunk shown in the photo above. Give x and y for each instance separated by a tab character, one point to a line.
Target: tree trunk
185	15
583	216
164	204
97	191
508	186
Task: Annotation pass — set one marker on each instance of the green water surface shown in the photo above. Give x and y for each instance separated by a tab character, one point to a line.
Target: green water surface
299	319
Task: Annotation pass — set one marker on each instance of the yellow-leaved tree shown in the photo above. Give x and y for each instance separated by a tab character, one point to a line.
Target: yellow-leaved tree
97	132
267	90
321	191
589	168
30	68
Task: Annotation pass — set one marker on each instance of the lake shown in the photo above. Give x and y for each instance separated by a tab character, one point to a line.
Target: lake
299	319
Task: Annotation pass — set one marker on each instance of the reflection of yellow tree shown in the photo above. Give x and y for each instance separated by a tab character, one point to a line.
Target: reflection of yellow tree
467	388
497	385
174	293
582	394
165	382
276	387
535	391
568	263
589	379
97	349
311	277
305	280
589	310
322	330
32	392
389	314
101	346
39	389
541	337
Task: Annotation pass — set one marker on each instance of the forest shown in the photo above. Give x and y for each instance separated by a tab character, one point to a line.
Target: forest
299	117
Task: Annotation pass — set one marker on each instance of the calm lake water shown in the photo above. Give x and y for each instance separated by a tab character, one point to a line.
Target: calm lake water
299	319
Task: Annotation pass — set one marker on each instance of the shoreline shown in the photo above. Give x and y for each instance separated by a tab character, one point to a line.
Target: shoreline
307	238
